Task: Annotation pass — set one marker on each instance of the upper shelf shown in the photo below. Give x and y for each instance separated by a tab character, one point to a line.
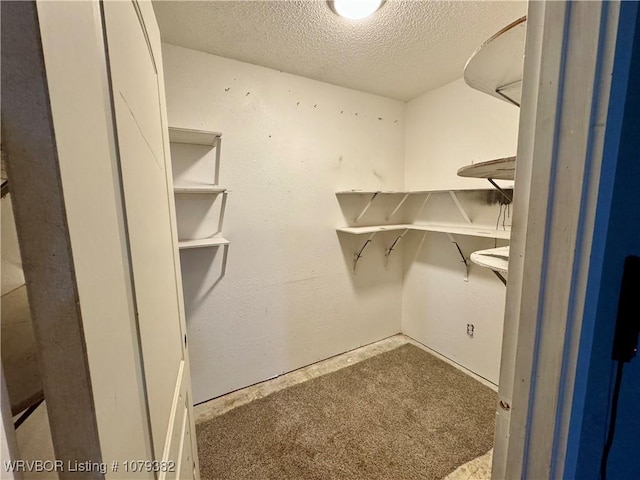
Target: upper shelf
193	137
206	189
495	67
497	259
469	230
500	169
203	242
411	192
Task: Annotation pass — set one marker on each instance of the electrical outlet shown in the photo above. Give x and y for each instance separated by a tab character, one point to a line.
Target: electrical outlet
470	329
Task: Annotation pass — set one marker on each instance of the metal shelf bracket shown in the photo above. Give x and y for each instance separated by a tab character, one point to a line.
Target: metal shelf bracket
501	190
464	260
359	253
395	242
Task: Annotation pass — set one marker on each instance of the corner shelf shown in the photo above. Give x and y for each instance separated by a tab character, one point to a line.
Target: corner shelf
495	67
499	169
450	230
202	242
405	195
469	230
497	259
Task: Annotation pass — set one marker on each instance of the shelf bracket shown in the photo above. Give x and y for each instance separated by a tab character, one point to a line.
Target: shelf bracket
501	277
507	98
366	207
395	242
216	173
461	209
423	204
501	190
395	210
464	260
359	253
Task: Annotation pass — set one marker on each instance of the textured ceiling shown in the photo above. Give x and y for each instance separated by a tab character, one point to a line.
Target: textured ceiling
402	51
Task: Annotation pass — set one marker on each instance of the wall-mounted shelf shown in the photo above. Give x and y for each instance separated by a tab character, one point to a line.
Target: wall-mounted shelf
499	169
204	189
495	67
202	243
497	259
449	230
193	137
469	230
184	186
404	196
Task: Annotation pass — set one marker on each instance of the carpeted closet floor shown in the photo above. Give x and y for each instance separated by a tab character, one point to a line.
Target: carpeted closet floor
400	414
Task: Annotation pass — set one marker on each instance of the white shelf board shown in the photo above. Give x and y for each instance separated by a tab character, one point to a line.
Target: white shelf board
497	63
210	189
381	192
373	229
202	242
412	192
499	169
496	259
193	137
469	230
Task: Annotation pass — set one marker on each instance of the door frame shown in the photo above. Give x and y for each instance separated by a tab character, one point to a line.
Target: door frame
564	115
559	167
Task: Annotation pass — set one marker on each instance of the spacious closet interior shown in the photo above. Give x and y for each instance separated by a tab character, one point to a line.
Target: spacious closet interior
314	218
342	193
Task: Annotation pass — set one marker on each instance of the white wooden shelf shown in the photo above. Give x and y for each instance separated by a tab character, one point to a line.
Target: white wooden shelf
409	192
427	194
469	230
495	67
204	189
202	243
499	169
496	259
403	229
193	137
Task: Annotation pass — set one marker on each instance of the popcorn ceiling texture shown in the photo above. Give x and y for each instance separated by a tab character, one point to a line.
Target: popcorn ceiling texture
403	50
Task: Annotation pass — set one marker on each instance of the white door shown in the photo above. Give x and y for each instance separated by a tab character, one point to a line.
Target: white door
133	48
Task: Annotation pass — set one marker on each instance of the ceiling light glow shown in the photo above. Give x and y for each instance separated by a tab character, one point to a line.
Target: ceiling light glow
355	9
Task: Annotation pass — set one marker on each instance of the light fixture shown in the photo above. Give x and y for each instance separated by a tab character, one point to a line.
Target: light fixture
355	9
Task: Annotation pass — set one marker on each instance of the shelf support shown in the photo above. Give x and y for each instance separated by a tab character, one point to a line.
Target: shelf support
464	260
216	173
461	209
359	253
507	98
223	209
501	190
395	210
423	204
366	207
395	242
501	277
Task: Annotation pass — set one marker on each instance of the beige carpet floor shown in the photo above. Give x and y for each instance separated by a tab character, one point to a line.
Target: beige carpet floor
403	414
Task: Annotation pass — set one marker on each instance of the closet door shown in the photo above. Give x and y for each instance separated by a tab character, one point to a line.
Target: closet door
137	88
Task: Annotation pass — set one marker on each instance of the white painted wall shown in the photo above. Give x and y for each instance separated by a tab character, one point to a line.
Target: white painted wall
447	128
453	126
289	297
